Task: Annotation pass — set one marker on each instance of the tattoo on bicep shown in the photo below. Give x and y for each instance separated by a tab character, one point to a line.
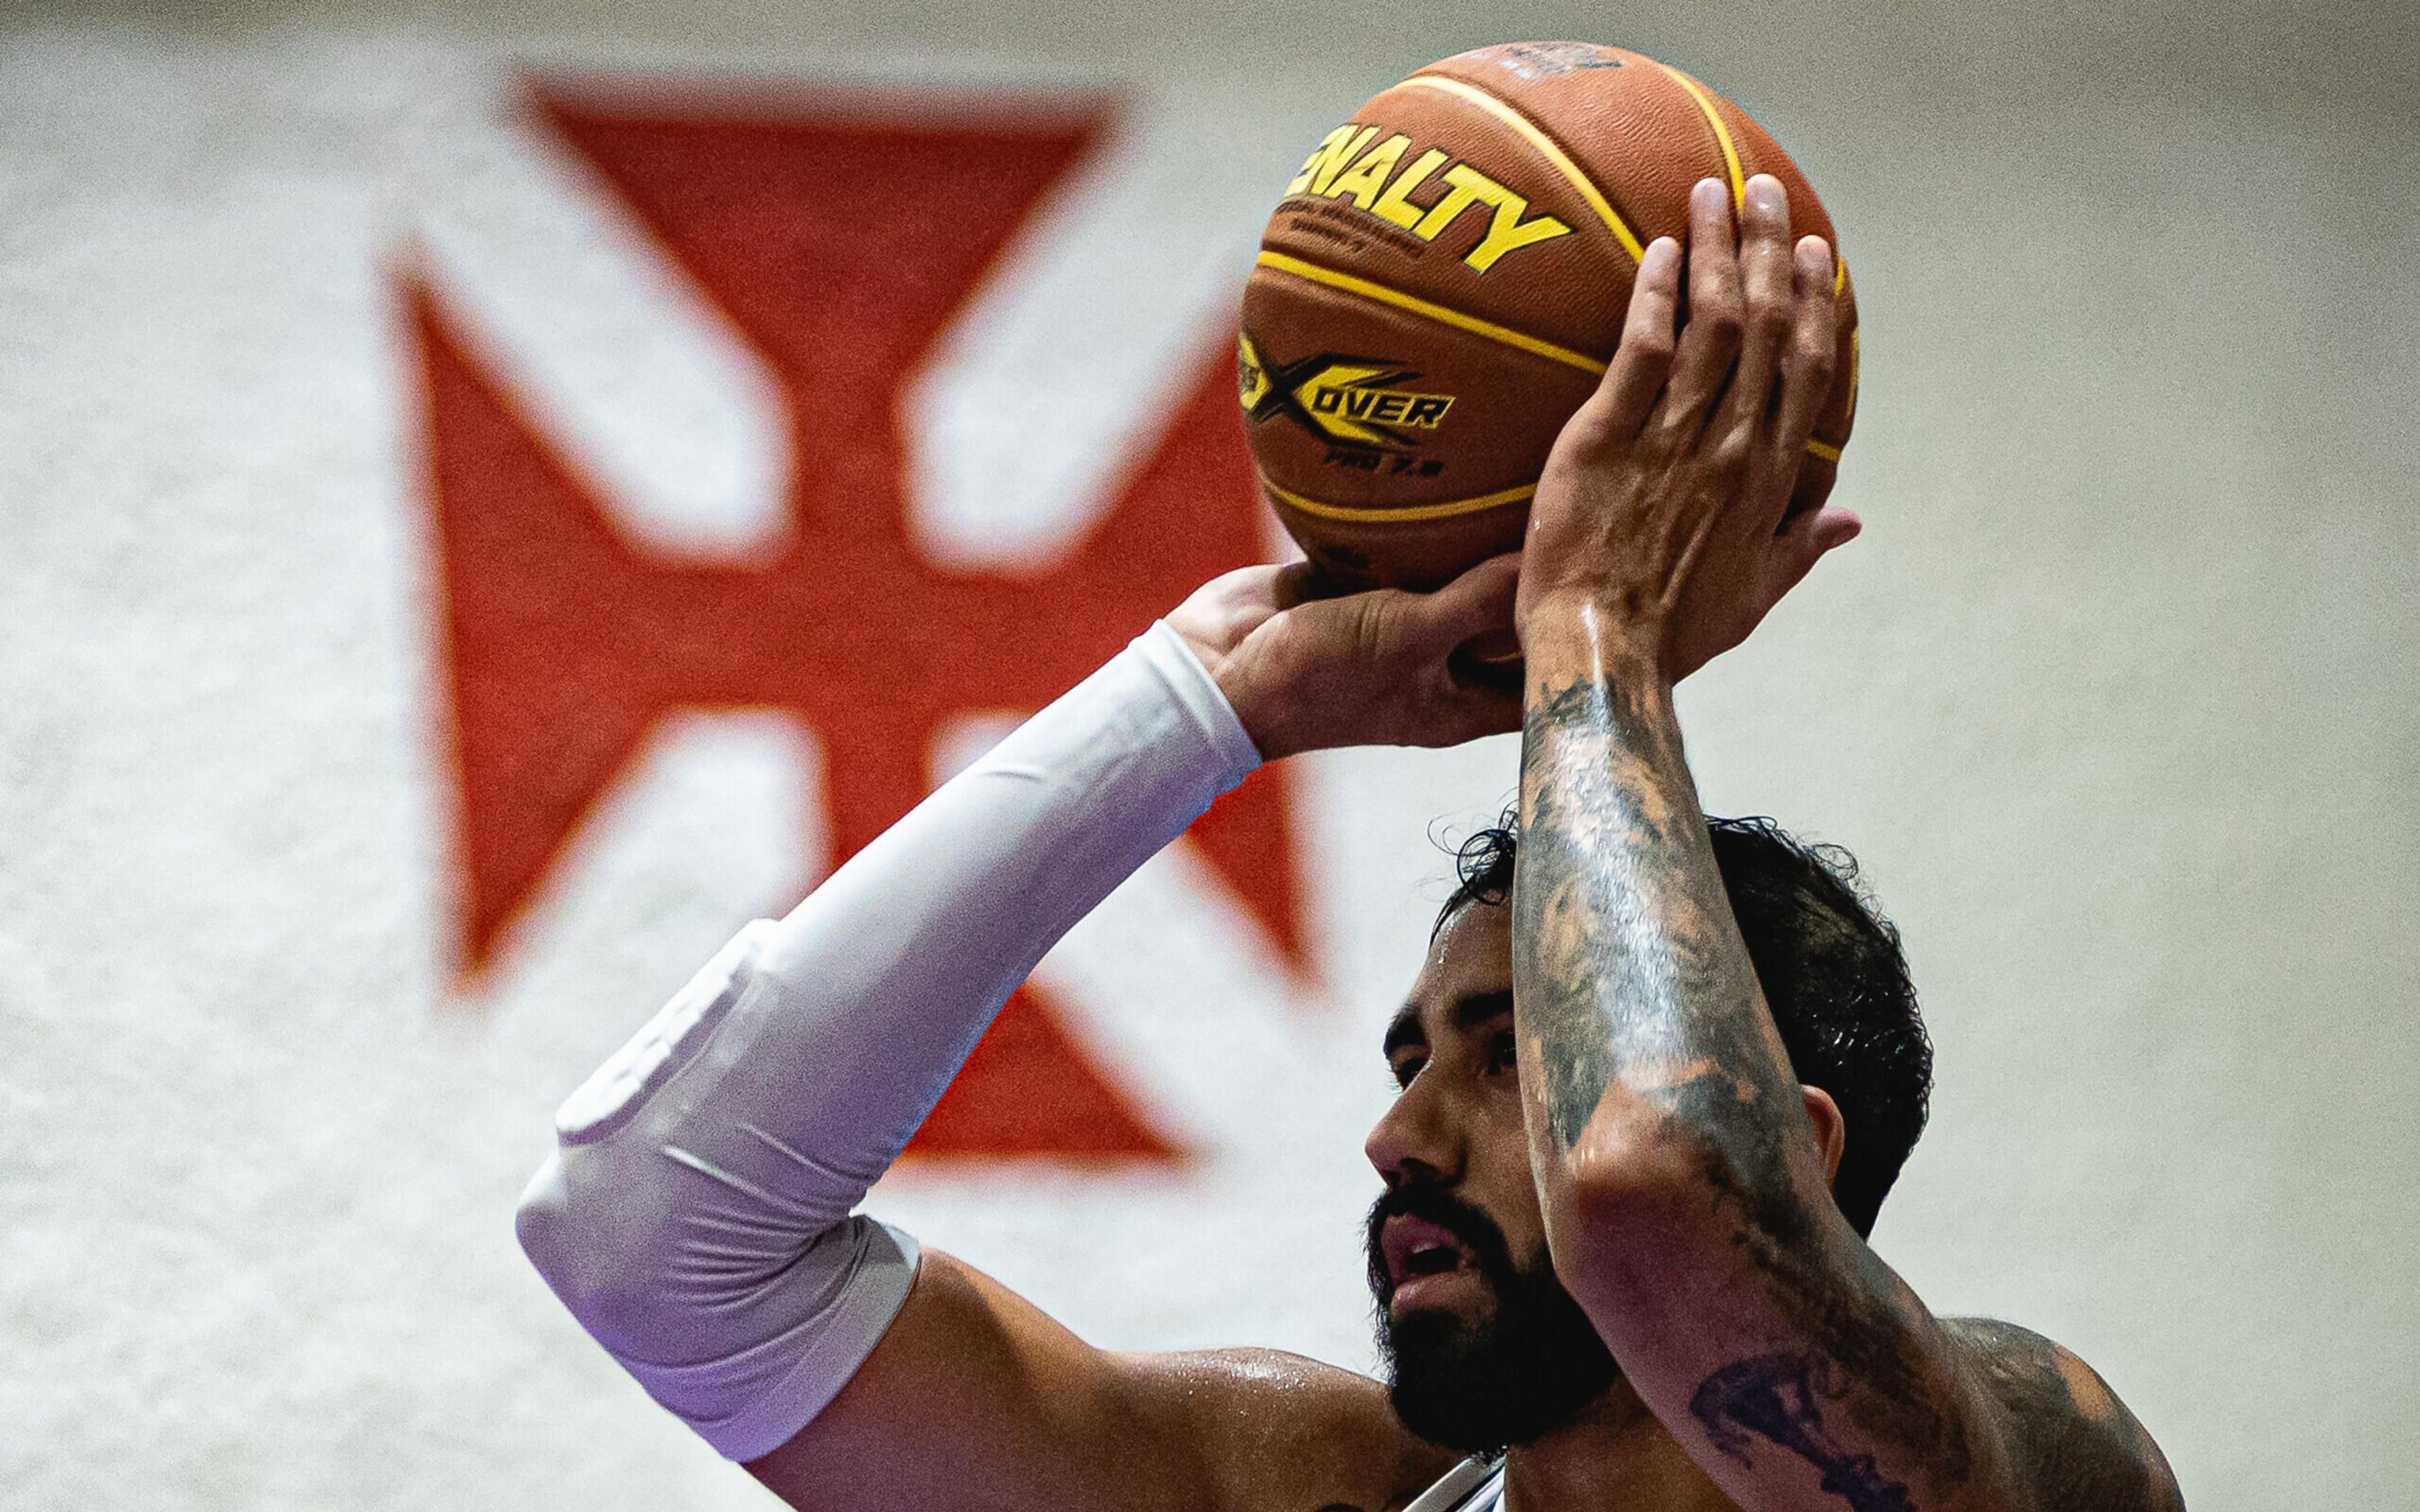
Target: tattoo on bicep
1778	1397
2067	1435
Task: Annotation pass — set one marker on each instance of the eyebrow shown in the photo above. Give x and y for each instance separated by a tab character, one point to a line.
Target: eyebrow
1468	1014
1476	1010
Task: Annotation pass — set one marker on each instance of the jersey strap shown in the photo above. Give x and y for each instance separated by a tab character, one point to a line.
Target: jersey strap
1473	1485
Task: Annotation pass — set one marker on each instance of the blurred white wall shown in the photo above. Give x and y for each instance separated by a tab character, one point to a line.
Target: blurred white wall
2116	701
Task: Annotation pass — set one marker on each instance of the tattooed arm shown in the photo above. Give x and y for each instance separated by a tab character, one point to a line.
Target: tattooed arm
1685	1179
2073	1439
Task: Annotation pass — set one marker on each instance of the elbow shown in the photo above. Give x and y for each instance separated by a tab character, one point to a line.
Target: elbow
546	1224
1643	1174
594	1245
1635	1159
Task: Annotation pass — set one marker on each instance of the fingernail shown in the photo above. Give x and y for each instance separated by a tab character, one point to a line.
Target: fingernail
1764	192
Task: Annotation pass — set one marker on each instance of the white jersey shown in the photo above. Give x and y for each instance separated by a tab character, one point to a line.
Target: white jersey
1473	1485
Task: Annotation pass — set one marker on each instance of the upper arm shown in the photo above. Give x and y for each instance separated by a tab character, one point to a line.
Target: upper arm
2070	1438
1797	1368
1801	1373
977	1399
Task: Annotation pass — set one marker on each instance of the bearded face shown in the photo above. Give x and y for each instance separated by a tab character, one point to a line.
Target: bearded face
1484	1348
1482	1351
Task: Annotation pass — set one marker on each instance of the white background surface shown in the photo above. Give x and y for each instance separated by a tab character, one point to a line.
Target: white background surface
2116	701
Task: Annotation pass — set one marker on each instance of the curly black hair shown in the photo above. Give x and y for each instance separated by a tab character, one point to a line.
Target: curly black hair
1833	974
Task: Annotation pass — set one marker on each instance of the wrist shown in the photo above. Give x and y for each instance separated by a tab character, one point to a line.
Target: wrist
1244	655
1237	678
1563	640
1273	719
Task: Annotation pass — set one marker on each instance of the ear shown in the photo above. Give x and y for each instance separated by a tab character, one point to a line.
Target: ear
1831	1129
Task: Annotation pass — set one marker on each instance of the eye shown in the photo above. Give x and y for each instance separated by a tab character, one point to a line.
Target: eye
1406	1068
1502	1055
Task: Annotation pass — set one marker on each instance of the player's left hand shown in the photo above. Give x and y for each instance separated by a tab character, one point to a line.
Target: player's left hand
1307	672
1661	513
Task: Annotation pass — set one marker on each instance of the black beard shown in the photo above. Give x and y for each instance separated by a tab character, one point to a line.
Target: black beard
1522	1369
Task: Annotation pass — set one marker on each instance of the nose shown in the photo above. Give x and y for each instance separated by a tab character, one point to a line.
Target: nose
1418	1139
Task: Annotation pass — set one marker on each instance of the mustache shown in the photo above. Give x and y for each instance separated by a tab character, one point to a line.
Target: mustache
1432	1203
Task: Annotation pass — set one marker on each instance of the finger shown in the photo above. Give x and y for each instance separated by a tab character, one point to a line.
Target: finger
1827	529
1814	339
1473	604
1483	666
1817	531
1644	359
1809	539
1769	295
1302	583
1806	359
1489	705
1710	338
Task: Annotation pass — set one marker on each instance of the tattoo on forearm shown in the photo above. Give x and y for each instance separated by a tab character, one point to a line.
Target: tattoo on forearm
1630	966
1777	1397
1630	977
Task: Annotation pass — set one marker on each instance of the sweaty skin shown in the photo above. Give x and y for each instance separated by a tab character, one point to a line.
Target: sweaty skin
1630	1112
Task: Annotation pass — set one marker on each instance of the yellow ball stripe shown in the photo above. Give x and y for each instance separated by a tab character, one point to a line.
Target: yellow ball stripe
1313	272
1722	133
1732	162
1402	514
1448	509
1546	147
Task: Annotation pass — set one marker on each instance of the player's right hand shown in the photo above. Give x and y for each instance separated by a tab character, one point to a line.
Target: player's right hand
1307	673
1662	526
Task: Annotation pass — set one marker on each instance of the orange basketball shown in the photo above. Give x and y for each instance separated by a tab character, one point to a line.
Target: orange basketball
1444	280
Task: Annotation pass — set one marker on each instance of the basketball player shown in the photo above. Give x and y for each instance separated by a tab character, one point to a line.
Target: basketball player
1619	1258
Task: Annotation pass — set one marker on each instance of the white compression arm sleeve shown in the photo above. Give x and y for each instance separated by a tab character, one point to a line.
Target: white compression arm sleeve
696	1214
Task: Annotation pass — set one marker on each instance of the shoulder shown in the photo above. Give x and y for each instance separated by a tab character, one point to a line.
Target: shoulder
977	1397
2068	1437
1277	1430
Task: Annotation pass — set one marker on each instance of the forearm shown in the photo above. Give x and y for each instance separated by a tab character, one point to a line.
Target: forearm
861	1004
1685	1196
1638	1007
695	1215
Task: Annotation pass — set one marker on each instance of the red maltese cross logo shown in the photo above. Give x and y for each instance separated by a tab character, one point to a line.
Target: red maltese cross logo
840	249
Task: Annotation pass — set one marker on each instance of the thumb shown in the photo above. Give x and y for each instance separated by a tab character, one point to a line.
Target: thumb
1473	604
1832	527
1804	541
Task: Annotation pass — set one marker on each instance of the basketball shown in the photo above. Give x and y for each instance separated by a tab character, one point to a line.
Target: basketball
1444	280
